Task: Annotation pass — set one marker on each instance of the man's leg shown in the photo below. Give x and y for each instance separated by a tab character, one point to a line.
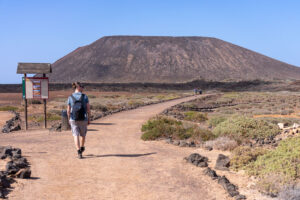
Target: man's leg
82	141
76	141
82	148
83	130
77	144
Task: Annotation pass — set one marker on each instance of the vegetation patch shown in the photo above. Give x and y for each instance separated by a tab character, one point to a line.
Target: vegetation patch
214	121
276	120
8	108
199	134
135	103
99	107
243	156
40	118
164	127
195	116
242	128
282	162
222	143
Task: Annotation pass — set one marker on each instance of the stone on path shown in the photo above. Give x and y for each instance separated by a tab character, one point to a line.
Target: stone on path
222	162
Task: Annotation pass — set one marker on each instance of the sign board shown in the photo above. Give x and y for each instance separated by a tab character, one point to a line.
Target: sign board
23	88
36	88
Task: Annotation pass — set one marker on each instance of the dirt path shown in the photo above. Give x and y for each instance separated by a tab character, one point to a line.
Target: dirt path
117	164
4	116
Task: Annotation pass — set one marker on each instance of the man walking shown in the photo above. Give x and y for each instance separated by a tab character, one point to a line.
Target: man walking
79	116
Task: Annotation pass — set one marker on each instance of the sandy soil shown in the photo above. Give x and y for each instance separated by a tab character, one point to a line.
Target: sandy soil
117	164
4	116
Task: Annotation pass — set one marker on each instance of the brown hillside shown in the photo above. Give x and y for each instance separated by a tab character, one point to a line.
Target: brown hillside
166	59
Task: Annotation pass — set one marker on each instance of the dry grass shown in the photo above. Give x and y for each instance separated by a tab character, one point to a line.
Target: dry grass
222	143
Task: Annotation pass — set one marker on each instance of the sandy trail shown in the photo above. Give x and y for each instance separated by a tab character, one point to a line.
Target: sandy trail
5	116
117	164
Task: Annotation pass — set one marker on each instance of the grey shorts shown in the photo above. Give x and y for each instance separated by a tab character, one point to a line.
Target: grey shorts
79	128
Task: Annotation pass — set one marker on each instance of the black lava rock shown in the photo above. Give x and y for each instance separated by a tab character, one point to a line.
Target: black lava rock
222	163
24	173
211	173
229	187
4	181
240	197
198	160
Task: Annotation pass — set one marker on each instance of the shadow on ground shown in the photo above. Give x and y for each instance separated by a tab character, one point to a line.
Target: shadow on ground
95	123
92	130
118	155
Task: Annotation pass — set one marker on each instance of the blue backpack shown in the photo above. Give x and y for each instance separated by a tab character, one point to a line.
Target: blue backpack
78	111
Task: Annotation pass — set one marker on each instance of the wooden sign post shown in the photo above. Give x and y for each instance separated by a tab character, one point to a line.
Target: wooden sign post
35	87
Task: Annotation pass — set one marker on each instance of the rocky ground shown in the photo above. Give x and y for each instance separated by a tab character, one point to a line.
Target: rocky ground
12	165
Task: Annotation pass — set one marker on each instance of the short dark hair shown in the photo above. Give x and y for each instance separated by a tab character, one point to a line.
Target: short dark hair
76	85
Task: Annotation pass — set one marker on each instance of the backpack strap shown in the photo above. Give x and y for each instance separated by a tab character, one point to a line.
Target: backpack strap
73	98
81	98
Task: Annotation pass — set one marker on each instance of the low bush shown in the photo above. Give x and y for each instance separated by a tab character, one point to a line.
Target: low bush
195	116
243	156
55	112
271	184
222	143
276	120
111	107
164	127
99	107
214	121
40	118
8	108
282	162
135	103
199	134
160	127
242	128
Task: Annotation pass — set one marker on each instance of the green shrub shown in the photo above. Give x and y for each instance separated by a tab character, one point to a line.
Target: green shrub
135	103
279	167
198	134
163	127
99	107
111	107
242	128
214	121
243	156
55	112
282	162
195	116
8	108
40	117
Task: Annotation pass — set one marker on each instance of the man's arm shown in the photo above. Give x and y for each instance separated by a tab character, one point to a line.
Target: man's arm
89	112
69	112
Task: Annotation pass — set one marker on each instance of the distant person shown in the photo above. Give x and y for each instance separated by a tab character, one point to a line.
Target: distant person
200	91
79	114
195	91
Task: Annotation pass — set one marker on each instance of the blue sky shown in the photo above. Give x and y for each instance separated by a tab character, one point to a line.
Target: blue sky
44	31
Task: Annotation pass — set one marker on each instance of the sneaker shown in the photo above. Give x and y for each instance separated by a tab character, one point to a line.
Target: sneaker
79	154
82	149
